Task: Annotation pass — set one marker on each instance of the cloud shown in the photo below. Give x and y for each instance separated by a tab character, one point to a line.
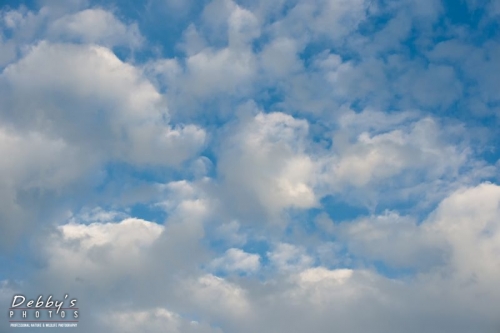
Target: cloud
85	108
320	290
333	19
396	240
469	221
231	299
103	99
100	253
95	26
271	162
35	161
285	166
236	260
153	320
265	163
287	257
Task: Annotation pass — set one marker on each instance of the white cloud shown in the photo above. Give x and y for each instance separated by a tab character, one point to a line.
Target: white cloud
216	71
100	253
334	19
476	64
415	154
208	289
88	97
465	222
271	162
152	320
396	240
265	162
280	57
243	27
230	232
288	257
95	26
71	110
236	260
8	51
85	108
469	220
97	215
35	161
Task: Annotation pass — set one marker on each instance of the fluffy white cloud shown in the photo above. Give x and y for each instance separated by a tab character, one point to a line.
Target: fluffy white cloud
267	90
209	289
34	161
466	223
95	26
287	257
8	51
333	19
265	162
469	220
88	97
476	63
152	320
460	236
396	240
85	108
279	58
236	260
100	253
271	161
218	71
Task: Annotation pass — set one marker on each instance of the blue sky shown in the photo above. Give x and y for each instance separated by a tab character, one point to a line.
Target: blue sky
242	166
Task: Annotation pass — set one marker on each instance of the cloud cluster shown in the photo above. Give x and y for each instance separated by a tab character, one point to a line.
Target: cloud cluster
285	166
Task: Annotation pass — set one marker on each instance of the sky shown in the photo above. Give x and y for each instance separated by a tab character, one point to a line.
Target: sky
241	166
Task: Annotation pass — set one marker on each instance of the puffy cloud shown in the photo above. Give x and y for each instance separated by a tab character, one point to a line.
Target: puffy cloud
414	154
39	168
396	240
476	64
267	91
265	162
460	236
280	57
8	52
85	108
231	233
465	223
95	26
218	71
236	260
87	96
208	289
152	320
469	220
287	257
100	253
333	19
272	163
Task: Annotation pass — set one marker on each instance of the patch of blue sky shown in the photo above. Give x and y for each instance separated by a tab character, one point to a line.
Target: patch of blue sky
121	180
149	212
115	174
253	245
14	4
391	272
339	210
461	12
